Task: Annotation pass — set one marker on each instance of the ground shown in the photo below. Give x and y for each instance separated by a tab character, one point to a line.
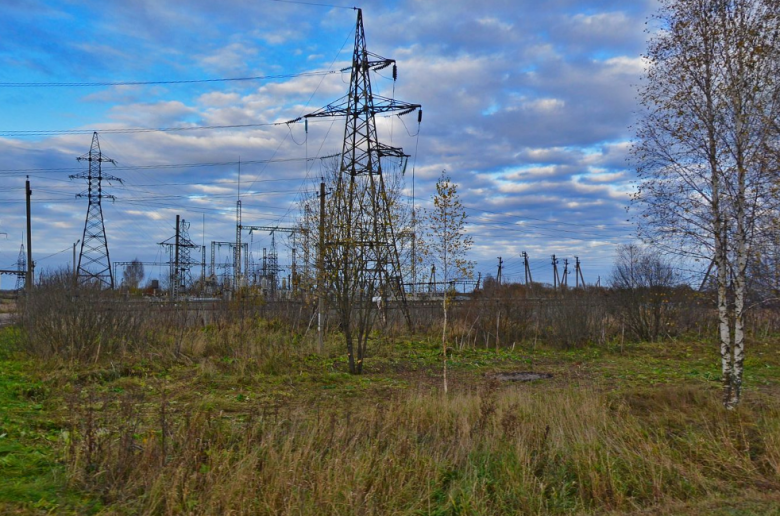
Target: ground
44	404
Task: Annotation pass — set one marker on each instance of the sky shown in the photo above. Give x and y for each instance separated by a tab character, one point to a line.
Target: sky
527	106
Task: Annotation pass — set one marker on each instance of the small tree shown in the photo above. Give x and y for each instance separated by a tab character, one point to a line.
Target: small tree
133	274
355	270
446	244
642	281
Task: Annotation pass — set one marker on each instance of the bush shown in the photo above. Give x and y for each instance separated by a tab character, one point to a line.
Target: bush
77	324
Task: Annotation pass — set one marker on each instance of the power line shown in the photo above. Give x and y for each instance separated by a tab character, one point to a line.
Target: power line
535	230
481	210
148	83
130	130
318	4
173	165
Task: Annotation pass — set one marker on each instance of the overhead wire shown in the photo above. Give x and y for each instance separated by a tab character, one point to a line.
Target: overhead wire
155	200
481	210
131	130
350	34
164	165
319	85
86	84
318	4
510	226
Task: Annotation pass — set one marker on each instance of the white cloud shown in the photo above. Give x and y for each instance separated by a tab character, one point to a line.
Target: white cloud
527	105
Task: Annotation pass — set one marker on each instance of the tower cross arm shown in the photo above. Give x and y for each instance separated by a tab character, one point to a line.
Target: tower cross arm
99	157
379	105
377	63
387	151
102	196
270	229
104	177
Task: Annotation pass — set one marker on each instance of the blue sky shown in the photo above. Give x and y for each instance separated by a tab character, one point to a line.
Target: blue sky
527	105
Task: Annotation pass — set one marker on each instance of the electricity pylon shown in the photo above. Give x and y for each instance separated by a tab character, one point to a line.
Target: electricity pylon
180	262
360	247
94	263
21	269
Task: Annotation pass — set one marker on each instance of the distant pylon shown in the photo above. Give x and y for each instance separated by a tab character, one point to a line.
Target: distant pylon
185	256
21	269
94	263
181	263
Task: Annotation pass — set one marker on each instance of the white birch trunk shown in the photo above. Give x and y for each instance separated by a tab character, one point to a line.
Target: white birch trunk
444	341
738	358
724	329
739	296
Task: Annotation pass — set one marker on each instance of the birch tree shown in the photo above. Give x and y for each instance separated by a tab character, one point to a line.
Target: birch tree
707	146
446	245
353	278
133	274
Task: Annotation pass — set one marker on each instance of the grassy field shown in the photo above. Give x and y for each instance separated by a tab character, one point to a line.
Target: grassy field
266	425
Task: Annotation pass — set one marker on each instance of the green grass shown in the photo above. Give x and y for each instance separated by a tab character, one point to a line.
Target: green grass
32	474
281	429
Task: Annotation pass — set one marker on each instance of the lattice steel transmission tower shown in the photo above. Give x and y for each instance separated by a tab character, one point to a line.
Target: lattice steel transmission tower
94	265
360	250
180	262
21	269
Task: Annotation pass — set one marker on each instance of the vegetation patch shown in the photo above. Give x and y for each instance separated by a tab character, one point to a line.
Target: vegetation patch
611	427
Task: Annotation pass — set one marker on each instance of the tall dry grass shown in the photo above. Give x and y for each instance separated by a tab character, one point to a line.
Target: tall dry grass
91	325
493	452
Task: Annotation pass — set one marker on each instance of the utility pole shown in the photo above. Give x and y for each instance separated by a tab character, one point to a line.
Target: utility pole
30	265
565	278
578	272
75	265
237	254
526	265
175	279
556	281
94	261
500	268
293	283
237	251
202	267
321	270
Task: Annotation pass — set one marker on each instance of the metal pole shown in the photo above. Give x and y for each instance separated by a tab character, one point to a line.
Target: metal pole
30	266
75	265
321	270
175	278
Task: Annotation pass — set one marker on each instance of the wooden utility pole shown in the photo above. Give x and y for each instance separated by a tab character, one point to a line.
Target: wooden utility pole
578	272
175	278
30	266
321	270
528	278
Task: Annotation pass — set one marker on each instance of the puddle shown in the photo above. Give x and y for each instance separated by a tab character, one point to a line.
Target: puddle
521	376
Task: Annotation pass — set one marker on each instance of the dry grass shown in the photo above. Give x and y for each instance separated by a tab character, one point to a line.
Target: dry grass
165	413
498	451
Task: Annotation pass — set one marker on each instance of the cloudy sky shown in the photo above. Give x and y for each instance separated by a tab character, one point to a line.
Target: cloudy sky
527	105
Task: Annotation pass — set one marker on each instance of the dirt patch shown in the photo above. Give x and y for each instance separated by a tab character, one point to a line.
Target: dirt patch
6	319
520	376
